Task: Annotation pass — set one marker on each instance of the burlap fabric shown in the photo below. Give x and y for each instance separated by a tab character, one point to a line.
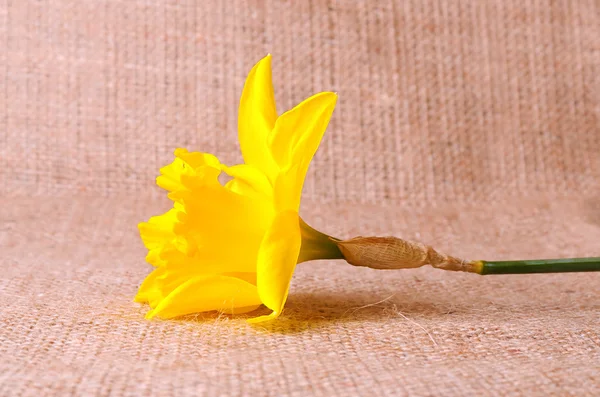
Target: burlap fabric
473	126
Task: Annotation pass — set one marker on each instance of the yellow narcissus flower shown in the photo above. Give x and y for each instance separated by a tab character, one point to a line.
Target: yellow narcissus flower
234	247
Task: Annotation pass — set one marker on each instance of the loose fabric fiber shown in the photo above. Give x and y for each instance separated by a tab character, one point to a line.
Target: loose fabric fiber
471	126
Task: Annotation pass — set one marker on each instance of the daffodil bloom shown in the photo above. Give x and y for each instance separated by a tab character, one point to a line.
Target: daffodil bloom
234	247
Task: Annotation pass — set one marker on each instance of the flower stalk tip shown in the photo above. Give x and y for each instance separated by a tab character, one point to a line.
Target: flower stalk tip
396	253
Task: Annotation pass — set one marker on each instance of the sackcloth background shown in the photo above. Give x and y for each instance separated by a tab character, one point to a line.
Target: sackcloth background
473	126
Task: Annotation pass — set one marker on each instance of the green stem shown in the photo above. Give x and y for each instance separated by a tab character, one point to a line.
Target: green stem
316	245
540	266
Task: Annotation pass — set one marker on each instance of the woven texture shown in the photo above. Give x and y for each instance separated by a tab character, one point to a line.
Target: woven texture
472	126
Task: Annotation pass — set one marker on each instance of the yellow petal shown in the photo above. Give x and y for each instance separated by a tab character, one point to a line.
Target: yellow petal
170	175
293	143
249	277
213	256
256	117
262	319
225	228
277	259
206	293
288	189
194	166
158	234
215	218
216	210
158	229
197	159
249	181
298	132
162	281
154	257
149	290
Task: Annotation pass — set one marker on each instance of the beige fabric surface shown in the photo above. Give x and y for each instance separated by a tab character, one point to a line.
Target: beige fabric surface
473	126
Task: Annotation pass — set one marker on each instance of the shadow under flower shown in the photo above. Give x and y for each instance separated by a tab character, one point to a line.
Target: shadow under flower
305	311
309	311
